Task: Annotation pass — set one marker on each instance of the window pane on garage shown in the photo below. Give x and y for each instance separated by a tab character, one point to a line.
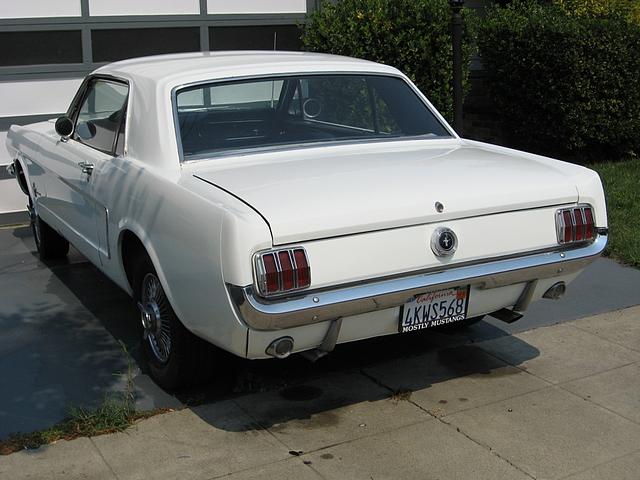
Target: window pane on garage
284	37
40	48
117	44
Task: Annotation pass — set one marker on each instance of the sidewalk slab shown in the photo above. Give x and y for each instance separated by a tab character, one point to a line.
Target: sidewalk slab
621	326
182	445
425	451
618	390
292	469
550	433
457	379
623	468
566	353
329	411
77	459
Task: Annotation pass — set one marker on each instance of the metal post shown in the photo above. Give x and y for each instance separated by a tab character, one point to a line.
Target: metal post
456	28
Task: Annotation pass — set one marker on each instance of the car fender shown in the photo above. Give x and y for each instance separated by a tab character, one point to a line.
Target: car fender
130	225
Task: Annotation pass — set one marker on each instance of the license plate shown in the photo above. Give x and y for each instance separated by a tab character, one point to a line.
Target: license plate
433	309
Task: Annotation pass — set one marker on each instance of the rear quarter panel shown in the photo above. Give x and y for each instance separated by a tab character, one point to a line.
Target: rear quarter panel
186	229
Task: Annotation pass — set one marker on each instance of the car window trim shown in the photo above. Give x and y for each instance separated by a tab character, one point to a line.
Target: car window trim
175	90
78	100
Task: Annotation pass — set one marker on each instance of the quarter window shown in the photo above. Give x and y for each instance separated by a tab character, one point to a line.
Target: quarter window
101	114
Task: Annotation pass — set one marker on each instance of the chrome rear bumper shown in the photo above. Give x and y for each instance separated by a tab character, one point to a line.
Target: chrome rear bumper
346	300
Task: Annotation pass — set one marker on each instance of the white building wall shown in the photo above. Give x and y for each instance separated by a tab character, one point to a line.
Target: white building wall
143	7
31	92
39	8
36	97
256	6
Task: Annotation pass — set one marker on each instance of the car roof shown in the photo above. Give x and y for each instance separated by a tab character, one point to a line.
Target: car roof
185	68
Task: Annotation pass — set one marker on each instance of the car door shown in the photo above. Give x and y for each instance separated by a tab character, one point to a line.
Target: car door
98	119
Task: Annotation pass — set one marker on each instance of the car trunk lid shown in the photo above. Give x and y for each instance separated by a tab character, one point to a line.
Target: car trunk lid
313	193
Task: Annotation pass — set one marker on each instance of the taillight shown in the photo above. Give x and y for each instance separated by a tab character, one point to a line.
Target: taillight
282	271
578	217
574	225
590	226
286	269
567	222
302	267
270	272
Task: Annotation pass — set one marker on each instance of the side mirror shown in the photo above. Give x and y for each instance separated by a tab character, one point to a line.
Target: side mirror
64	127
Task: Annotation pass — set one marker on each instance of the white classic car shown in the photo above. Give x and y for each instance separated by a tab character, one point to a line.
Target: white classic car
273	202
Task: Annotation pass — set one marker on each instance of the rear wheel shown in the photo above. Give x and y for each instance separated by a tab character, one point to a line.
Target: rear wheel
175	356
50	244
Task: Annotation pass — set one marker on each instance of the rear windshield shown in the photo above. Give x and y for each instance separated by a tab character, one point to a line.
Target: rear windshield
298	110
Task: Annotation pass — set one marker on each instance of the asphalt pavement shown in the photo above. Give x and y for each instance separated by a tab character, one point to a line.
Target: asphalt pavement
67	334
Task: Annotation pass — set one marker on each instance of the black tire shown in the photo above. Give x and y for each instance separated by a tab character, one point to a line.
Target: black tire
50	244
174	356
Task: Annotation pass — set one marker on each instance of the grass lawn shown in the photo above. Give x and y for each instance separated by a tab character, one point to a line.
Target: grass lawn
622	189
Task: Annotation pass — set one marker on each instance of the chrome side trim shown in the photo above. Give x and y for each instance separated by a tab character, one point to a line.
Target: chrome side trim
106	232
329	304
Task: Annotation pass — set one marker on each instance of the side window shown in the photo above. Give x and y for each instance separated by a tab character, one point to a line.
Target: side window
101	114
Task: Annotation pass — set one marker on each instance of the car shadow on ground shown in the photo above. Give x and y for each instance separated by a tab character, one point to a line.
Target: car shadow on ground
353	373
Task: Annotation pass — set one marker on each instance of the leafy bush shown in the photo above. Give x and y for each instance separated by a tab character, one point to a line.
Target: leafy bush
564	84
602	8
411	35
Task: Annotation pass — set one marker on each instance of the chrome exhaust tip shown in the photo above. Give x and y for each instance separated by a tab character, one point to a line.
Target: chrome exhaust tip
556	291
280	347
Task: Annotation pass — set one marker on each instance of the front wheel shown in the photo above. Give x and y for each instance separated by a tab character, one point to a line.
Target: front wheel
175	357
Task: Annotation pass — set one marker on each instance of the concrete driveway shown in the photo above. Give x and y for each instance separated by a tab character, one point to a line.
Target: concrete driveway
556	402
63	326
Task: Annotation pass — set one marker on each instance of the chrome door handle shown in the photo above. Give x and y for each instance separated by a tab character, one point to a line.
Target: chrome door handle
86	167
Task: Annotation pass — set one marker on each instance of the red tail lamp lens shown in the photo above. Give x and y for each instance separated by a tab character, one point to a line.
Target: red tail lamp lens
287	270
577	214
568	226
271	272
589	224
304	272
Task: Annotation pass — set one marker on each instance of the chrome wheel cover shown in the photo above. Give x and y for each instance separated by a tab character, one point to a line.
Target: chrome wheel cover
154	315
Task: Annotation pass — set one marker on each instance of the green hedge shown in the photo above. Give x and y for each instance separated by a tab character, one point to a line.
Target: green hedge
629	9
411	35
564	84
